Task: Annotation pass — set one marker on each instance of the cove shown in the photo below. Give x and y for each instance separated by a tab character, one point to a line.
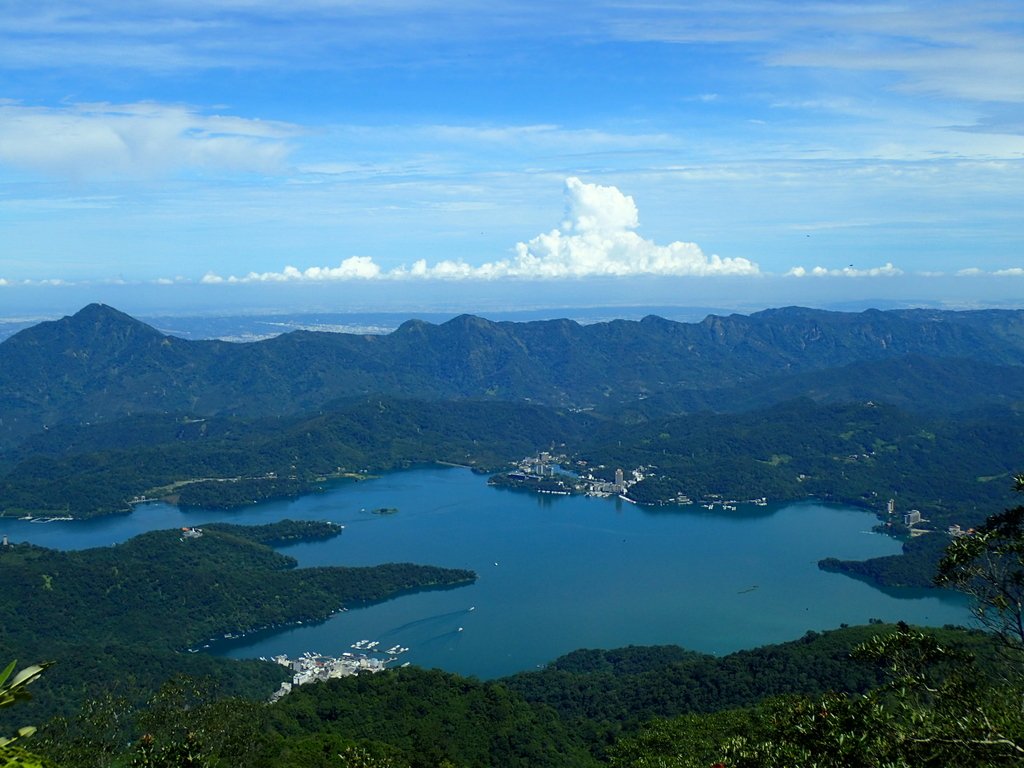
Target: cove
556	573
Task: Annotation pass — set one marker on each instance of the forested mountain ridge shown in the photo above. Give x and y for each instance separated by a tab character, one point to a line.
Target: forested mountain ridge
585	709
100	363
914	382
955	470
613	690
852	453
97	469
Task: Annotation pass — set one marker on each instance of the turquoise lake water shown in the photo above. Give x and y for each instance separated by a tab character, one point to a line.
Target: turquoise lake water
557	573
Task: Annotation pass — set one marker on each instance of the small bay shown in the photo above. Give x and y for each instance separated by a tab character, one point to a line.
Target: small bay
555	573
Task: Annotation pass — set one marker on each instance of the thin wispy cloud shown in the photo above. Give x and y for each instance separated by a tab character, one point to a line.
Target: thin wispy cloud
183	35
969	51
936	47
976	272
86	141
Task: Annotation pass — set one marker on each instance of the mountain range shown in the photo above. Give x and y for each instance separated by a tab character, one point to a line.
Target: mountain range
101	364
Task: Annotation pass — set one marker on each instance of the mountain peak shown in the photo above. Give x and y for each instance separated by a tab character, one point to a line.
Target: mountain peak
97	312
414	325
100	319
95	326
467	322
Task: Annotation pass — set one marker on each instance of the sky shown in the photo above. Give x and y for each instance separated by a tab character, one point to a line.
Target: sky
189	156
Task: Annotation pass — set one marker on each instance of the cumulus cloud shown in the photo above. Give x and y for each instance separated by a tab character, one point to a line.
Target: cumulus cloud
886	270
85	141
597	238
354	268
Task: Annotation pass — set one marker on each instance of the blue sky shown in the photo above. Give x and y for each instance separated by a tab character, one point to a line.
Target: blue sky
414	154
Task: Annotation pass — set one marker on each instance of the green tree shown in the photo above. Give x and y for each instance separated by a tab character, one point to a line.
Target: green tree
936	709
13	690
988	566
688	741
94	737
185	725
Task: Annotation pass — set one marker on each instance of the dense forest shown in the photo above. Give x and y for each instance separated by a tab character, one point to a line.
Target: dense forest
862	454
84	471
914	567
625	707
100	365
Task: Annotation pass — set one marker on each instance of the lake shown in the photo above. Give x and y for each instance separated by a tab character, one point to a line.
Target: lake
556	573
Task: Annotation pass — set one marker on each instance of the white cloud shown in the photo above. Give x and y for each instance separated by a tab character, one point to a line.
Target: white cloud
86	141
940	47
976	272
353	268
53	281
174	35
886	270
596	239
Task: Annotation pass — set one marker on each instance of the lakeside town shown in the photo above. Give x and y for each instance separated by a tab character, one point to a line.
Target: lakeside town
313	667
913	522
545	473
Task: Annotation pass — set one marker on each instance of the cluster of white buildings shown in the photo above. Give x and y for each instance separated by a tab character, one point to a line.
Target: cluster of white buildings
311	667
913	518
619	487
541	465
545	465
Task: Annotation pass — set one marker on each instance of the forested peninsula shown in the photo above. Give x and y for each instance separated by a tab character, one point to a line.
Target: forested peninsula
130	612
